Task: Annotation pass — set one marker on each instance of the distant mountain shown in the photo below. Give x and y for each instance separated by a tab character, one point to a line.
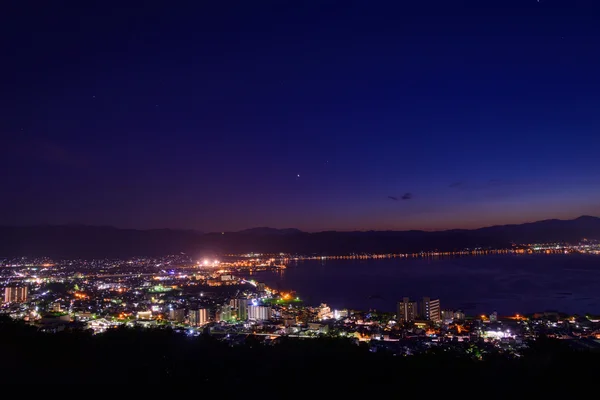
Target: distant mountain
79	241
270	231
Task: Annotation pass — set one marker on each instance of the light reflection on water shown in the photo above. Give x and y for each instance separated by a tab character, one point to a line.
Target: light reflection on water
507	284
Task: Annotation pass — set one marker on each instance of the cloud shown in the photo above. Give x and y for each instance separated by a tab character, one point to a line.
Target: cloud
405	196
456	184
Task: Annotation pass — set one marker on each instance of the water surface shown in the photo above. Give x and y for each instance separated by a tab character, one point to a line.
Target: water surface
507	284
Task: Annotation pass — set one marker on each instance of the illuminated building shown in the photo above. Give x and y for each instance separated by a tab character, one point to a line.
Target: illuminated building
224	313
450	315
324	312
407	310
491	334
99	325
494	317
177	314
447	315
144	315
243	311
259	313
241	306
315	326
198	317
430	309
15	294
421	324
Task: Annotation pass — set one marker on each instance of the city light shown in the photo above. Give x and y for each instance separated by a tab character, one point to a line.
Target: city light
152	292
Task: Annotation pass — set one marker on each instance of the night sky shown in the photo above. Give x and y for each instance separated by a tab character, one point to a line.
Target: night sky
322	115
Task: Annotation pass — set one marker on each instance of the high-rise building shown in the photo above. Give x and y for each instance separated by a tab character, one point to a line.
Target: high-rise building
407	310
459	315
324	312
259	313
224	313
15	294
430	309
198	317
241	308
447	315
177	314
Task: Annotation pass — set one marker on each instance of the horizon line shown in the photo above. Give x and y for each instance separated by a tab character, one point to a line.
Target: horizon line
284	229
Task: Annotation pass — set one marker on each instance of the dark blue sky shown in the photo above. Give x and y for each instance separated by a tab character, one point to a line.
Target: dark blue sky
323	115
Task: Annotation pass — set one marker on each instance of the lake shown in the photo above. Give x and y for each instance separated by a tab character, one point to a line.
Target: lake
508	284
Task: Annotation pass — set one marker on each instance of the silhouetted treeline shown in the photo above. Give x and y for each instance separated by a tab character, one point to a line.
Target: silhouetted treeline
155	357
101	242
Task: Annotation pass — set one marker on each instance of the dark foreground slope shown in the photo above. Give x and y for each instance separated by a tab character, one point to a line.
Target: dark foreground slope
90	241
154	357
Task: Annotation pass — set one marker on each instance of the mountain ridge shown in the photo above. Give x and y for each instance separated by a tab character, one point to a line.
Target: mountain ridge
88	241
